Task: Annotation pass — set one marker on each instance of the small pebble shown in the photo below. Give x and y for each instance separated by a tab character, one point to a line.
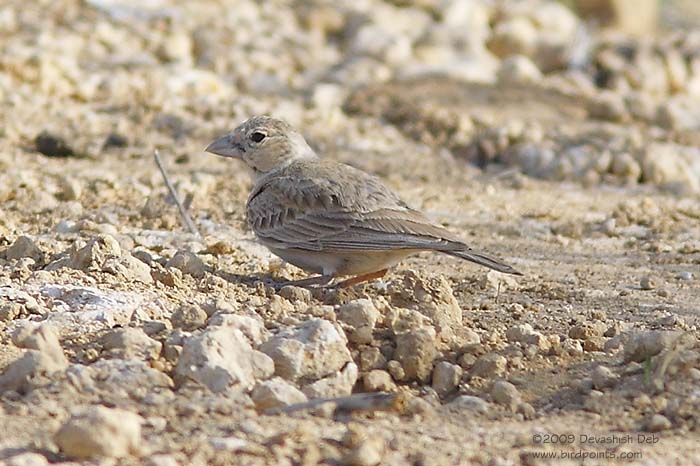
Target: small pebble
658	423
52	145
100	432
646	283
505	393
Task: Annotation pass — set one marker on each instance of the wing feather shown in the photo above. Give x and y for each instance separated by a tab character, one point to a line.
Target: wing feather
346	211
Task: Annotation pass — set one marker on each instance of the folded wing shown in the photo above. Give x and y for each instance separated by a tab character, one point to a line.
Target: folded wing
322	214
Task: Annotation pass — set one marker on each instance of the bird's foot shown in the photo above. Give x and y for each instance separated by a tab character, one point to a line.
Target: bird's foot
323	281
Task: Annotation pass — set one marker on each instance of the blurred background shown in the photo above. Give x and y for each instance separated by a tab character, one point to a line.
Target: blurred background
584	90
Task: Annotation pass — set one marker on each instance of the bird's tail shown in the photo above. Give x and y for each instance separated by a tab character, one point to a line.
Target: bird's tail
483	259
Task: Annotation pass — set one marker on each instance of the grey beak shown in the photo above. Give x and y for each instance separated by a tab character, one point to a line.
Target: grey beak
224	146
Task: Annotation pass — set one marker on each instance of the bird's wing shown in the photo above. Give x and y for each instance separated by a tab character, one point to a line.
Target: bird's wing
350	211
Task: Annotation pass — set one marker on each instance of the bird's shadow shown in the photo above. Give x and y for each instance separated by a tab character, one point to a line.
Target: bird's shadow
325	294
249	280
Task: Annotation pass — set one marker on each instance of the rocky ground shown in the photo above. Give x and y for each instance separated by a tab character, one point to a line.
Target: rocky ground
568	151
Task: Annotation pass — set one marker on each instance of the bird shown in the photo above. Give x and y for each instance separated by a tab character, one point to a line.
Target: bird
327	217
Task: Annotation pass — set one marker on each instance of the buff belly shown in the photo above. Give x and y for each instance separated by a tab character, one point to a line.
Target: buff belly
341	263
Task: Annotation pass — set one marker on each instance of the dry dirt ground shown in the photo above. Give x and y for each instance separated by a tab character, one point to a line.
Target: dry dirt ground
591	357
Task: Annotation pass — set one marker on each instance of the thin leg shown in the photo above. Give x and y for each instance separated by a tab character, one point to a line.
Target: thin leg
361	278
319	280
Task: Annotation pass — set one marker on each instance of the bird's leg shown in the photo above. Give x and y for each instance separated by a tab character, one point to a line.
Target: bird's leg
361	278
319	280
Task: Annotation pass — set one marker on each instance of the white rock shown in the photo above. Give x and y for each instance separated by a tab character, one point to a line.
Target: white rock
177	46
466	337
433	297
658	423
228	443
401	320
679	113
131	343
339	384
416	350
505	393
367	452
20	375
118	377
603	377
516	36
80	308
43	358
162	460
295	294
471	403
276	392
311	350
608	105
525	334
406	22
625	166
587	329
361	315
445	42
396	370
676	69
129	267
371	358
27	459
40	337
471	15
481	68
189	263
70	189
189	317
518	69
13	295
221	358
100	432
572	347
446	377
489	365
103	253
328	97
556	19
360	70
378	381
374	41
94	254
671	165
641	106
252	327
498	281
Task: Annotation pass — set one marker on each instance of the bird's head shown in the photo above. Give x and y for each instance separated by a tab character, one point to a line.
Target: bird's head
264	143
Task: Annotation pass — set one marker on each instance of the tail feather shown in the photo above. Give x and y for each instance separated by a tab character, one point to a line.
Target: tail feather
484	260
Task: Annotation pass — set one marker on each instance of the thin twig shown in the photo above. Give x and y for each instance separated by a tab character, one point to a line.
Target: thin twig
357	402
183	211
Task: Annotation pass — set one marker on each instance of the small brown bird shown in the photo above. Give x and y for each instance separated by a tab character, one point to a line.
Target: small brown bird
327	217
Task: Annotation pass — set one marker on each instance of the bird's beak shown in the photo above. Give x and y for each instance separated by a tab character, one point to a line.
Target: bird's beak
225	145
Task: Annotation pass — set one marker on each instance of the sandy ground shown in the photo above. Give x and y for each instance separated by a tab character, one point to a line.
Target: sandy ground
605	263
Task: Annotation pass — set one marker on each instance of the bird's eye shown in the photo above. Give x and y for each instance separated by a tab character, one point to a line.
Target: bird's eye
257	136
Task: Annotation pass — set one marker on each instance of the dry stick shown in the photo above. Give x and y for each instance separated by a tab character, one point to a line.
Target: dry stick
377	401
183	211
